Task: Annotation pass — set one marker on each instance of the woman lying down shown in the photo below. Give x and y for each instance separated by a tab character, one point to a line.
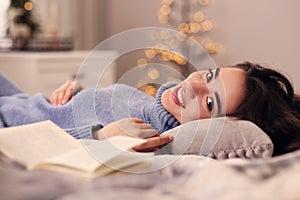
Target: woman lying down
246	91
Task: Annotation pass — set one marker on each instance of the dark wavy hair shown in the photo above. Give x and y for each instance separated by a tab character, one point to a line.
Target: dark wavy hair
270	102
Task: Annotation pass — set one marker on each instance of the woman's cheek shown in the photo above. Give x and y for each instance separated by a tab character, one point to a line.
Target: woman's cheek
169	105
190	114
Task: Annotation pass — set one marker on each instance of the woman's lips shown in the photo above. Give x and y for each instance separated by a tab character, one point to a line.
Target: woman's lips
177	97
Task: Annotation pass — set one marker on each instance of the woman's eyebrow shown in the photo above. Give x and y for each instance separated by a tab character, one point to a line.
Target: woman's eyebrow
219	106
217	72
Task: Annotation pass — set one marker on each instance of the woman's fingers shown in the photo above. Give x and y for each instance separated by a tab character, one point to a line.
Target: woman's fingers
136	120
147	133
62	94
153	143
66	92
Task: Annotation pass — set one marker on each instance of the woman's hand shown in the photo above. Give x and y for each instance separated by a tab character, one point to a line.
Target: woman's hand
153	143
65	92
134	127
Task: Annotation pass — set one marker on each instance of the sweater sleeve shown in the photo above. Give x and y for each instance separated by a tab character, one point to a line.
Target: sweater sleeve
84	132
7	88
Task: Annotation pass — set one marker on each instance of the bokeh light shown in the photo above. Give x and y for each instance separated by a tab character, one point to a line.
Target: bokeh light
28	6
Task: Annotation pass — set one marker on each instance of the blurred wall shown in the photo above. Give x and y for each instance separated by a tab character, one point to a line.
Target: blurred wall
85	21
263	31
128	14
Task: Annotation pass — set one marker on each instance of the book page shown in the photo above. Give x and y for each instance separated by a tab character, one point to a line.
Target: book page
94	153
44	145
31	144
88	163
130	162
105	150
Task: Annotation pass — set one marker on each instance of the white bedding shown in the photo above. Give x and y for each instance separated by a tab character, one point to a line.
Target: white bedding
190	177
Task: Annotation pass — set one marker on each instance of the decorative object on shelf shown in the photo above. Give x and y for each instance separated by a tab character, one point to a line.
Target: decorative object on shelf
22	25
23	29
50	44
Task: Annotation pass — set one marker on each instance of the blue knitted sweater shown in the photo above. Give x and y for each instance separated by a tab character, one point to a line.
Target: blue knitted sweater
86	111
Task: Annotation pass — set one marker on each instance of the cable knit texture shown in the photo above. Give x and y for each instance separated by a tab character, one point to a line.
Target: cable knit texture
85	111
156	115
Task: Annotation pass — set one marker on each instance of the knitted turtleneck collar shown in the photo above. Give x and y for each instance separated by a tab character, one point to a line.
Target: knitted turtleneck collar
156	115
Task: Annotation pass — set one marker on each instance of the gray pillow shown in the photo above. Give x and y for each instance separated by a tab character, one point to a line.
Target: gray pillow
219	138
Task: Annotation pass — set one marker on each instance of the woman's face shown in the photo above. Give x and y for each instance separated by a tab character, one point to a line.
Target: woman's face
206	94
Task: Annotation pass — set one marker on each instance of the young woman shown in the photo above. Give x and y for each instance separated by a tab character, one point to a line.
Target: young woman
246	91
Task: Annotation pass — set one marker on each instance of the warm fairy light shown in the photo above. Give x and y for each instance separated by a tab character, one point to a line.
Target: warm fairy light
195	27
171	56
153	74
167	2
149	89
204	2
165	10
165	56
28	6
184	28
173	43
211	48
180	60
163	19
206	25
153	35
164	35
219	47
150	53
190	25
198	16
142	62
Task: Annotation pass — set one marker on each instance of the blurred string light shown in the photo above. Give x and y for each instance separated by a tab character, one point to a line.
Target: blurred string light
189	19
28	6
26	17
186	16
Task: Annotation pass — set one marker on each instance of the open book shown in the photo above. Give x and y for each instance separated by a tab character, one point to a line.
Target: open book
44	145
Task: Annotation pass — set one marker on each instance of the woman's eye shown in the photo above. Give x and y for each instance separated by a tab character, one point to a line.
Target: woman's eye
209	75
210	103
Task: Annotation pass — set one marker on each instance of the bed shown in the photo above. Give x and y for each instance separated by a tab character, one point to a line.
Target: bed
187	173
190	177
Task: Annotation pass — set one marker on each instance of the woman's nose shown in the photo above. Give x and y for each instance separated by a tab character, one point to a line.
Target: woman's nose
197	82
196	76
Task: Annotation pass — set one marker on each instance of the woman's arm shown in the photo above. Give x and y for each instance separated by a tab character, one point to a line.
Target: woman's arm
65	92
